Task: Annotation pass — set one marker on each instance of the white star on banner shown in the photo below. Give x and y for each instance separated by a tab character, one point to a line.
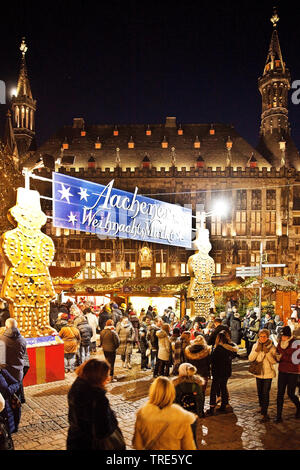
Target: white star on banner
72	218
65	193
83	194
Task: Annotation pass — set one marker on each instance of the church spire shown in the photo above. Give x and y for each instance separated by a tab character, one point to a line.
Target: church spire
23	106
9	140
274	85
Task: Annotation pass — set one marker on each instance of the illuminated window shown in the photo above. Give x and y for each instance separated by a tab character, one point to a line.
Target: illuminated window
146	272
164	143
216	225
240	221
131	143
255	223
83	133
183	268
218	268
270	222
197	143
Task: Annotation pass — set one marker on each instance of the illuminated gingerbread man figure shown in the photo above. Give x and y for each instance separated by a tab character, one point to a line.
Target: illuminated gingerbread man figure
28	286
201	268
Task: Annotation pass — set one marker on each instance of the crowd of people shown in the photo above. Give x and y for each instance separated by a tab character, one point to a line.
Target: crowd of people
184	356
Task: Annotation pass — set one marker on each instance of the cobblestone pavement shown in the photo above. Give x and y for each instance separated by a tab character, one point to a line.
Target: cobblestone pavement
44	421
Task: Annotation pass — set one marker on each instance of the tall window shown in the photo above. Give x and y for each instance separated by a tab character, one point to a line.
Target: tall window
256	200
240	222
216	225
271	200
270	223
255	223
241	200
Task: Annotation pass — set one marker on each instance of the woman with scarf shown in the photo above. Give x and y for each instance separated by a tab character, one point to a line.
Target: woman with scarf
198	354
264	351
126	335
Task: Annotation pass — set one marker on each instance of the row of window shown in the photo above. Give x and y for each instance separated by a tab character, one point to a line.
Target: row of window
219	228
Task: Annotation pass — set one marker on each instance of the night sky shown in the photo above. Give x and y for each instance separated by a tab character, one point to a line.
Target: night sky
119	62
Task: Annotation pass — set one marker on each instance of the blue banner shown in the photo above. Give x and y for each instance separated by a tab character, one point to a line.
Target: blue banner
106	211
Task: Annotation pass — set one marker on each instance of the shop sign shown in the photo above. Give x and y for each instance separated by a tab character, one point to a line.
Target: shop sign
106	211
154	289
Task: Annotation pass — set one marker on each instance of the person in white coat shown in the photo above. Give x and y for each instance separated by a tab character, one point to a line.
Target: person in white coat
264	351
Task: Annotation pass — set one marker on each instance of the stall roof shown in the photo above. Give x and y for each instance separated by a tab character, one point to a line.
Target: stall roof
279	281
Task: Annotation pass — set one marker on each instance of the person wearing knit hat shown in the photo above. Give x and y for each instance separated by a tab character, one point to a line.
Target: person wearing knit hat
288	355
189	391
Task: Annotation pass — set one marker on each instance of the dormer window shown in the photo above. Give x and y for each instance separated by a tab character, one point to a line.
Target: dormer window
98	144
211	131
148	131
164	143
146	162
131	143
83	133
200	162
65	144
253	161
180	130
116	132
197	143
91	162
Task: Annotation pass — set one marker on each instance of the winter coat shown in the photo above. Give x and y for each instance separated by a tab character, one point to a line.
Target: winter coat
143	340
289	356
267	357
9	386
164	345
199	356
71	338
103	317
236	330
15	350
85	331
136	325
176	353
151	419
213	335
93	322
252	330
152	338
221	359
88	408
190	385
60	323
126	336
109	340
116	315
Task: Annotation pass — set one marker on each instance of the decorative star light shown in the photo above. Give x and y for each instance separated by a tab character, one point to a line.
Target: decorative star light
83	194
65	193
72	218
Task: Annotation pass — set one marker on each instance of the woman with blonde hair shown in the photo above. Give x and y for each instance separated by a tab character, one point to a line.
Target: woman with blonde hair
161	424
264	352
93	425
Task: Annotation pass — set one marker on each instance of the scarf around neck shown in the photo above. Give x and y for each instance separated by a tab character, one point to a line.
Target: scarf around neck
264	347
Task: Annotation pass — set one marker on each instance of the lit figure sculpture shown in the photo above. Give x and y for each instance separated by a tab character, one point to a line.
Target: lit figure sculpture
28	286
201	268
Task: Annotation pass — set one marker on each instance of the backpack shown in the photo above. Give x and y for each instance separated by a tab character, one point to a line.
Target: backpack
188	401
6	442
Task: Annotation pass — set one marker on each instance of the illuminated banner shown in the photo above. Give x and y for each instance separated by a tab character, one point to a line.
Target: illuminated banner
107	211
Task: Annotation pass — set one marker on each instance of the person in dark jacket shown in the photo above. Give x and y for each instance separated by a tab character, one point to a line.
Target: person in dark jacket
236	331
109	341
104	316
53	313
252	331
62	320
8	387
116	313
221	369
91	418
4	314
14	347
143	348
288	355
86	333
153	340
218	327
198	353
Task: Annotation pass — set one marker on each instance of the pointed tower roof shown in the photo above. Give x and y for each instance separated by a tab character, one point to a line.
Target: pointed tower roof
9	140
23	87
274	53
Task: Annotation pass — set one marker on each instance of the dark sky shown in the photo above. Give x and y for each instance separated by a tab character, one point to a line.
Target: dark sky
139	61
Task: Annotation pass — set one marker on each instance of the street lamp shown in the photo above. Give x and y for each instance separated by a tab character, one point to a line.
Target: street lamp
220	209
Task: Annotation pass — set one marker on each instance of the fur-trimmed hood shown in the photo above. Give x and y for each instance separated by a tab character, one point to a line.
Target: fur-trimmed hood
197	351
188	379
230	347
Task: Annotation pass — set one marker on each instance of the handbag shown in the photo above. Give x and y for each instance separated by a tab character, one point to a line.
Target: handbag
256	367
15	402
113	442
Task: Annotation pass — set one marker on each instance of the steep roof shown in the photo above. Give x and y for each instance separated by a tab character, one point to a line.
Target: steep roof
212	146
